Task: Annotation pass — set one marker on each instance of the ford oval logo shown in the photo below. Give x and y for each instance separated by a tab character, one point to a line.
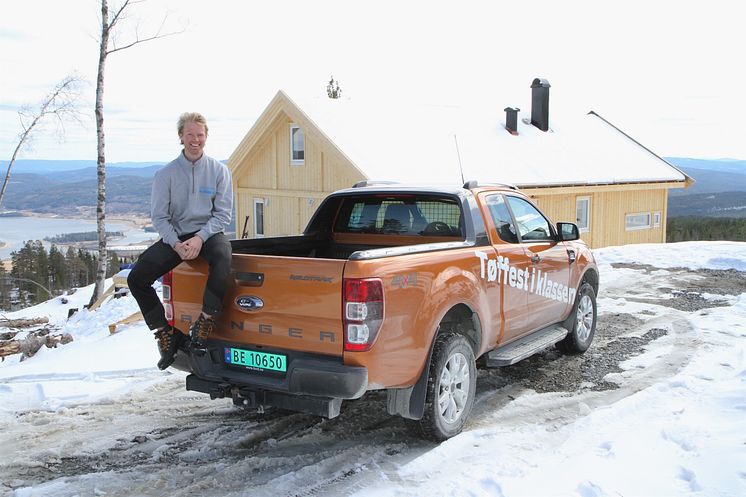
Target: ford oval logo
249	303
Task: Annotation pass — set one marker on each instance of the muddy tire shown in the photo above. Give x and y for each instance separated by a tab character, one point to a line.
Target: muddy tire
451	386
581	323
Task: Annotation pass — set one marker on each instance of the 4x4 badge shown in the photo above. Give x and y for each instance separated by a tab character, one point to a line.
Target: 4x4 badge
249	303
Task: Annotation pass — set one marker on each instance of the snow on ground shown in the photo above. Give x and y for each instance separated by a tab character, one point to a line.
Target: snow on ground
95	365
694	255
682	436
681	432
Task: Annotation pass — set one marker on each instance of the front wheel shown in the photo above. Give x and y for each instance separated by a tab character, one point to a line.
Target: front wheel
581	323
451	386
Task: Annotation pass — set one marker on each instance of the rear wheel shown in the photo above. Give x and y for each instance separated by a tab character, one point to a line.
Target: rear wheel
450	389
581	323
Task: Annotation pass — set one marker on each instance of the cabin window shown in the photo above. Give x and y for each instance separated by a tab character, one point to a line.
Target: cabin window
502	219
656	219
297	145
532	225
583	213
637	221
258	217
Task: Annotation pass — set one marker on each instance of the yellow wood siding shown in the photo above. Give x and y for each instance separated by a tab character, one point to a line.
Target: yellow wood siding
261	167
307	206
285	212
281	216
293	192
243	207
339	173
608	211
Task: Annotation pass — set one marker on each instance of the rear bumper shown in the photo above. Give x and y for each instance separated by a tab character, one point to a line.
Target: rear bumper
307	374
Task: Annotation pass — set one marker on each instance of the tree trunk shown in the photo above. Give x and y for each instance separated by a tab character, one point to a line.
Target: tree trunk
27	130
101	159
22	323
10	165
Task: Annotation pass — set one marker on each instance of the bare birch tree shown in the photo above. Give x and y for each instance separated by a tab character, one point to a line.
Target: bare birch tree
61	103
109	23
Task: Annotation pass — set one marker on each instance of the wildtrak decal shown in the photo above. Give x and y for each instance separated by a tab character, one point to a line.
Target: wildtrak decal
405	280
531	281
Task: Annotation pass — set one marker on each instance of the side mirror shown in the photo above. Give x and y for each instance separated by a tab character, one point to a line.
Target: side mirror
567	232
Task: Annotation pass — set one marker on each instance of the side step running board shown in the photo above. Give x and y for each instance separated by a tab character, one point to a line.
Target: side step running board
526	346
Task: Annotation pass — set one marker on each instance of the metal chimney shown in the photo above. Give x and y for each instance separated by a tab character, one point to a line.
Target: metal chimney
540	104
511	119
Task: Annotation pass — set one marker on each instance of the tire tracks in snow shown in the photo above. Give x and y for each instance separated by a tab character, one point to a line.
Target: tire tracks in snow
164	440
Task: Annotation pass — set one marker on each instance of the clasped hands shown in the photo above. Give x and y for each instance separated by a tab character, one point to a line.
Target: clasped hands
189	249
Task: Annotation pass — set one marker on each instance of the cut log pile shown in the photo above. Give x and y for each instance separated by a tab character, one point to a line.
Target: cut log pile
33	341
22	323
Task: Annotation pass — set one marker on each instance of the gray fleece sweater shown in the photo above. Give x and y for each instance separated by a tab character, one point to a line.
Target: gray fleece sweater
191	197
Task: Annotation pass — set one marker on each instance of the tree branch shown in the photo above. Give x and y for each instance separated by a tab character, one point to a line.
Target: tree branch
137	42
118	14
61	102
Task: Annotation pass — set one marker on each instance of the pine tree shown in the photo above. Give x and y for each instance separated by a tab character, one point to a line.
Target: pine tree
58	274
113	265
72	267
5	288
333	90
30	272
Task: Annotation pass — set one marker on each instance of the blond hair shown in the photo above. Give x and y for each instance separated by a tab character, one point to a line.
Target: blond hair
191	117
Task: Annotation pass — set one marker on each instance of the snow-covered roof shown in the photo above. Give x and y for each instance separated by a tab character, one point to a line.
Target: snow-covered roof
404	141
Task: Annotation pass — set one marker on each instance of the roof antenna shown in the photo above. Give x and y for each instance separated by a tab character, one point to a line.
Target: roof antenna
461	167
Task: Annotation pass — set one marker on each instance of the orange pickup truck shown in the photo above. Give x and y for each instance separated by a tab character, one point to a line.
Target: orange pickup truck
396	288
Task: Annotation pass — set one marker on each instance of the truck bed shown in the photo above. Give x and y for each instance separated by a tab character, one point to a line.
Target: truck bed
340	248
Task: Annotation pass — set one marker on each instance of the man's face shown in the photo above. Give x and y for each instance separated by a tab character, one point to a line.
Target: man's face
193	137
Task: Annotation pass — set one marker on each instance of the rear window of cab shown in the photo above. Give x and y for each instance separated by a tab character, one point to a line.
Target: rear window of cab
407	215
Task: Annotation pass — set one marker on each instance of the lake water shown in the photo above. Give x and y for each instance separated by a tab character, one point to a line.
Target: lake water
14	231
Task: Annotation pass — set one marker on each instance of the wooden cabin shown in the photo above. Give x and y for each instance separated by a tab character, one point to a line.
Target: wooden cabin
580	168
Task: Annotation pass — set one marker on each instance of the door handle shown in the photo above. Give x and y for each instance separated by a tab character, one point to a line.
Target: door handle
535	259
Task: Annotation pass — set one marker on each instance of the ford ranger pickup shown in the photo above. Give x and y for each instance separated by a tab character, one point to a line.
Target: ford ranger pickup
390	287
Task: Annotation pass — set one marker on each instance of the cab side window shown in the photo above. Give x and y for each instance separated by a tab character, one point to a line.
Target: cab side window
502	219
532	225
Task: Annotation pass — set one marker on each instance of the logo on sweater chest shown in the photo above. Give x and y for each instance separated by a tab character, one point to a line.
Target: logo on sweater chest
207	190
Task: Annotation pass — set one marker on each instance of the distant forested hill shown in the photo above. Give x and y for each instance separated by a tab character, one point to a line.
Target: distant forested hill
719	189
724	165
68	187
125	194
37	166
721	204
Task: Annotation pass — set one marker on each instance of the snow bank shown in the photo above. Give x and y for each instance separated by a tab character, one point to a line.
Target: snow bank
693	255
95	365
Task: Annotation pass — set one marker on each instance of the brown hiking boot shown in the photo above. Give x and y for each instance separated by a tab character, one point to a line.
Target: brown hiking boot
169	339
201	330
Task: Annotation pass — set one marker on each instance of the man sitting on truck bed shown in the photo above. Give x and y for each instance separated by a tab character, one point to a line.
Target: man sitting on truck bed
191	204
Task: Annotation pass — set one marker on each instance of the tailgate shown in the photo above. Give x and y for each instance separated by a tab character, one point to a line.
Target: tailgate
285	303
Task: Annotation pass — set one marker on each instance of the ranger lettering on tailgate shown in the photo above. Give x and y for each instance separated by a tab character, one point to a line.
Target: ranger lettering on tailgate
268	329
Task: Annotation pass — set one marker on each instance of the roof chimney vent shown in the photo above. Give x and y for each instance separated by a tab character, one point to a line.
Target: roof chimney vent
540	104
511	119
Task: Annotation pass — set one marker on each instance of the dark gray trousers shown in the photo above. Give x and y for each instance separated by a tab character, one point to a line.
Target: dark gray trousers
161	258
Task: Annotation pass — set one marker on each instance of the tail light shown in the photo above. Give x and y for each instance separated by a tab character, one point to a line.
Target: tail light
362	312
168	303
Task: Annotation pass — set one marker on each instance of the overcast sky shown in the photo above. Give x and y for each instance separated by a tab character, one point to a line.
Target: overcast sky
672	74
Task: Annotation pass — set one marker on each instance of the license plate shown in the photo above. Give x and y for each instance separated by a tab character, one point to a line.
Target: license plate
253	359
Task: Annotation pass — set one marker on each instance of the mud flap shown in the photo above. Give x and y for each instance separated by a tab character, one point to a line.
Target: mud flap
409	402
